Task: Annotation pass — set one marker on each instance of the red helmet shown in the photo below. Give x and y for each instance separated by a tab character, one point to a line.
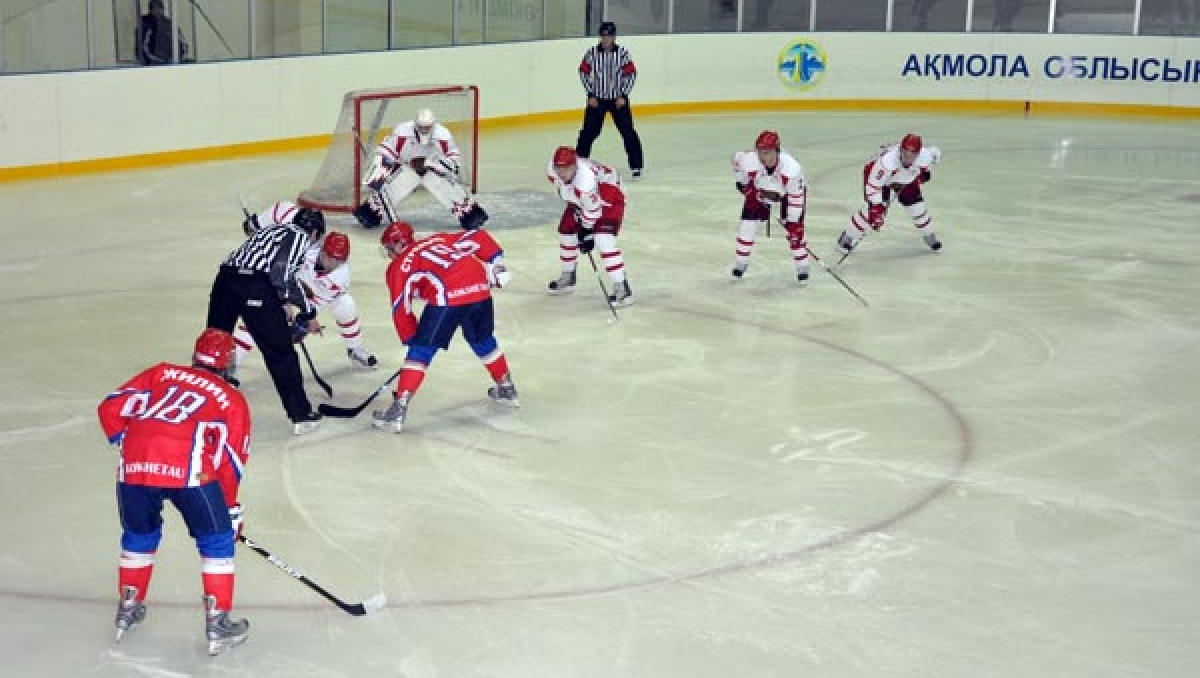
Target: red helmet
767	141
564	156
214	349
397	234
911	142
336	245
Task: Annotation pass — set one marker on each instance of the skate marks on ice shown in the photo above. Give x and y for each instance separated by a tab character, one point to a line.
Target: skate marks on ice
507	209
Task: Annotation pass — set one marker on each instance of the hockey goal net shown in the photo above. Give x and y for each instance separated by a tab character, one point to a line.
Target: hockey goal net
367	116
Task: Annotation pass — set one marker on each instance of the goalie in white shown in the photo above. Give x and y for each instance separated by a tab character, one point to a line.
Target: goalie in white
325	277
419	152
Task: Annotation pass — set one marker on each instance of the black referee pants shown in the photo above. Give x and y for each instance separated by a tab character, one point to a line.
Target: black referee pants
251	296
593	122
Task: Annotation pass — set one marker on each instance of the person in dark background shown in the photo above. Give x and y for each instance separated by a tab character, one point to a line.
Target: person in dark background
154	37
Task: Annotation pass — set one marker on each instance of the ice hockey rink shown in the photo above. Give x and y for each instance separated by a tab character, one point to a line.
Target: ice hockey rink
988	472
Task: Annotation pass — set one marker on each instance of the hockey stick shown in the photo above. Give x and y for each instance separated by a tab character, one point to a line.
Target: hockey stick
372	604
351	412
312	368
603	290
836	277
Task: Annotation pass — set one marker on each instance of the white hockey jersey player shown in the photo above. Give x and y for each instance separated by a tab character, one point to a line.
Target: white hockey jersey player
418	152
895	171
325	277
768	176
592	218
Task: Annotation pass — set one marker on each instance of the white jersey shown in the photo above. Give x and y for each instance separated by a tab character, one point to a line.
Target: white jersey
406	143
325	285
592	188
785	179
885	170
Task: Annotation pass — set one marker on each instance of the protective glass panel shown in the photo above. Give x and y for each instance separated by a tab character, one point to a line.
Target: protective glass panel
420	23
510	21
221	28
1011	16
356	25
287	27
777	15
565	19
1094	16
698	16
1170	17
49	37
635	17
930	15
851	15
468	25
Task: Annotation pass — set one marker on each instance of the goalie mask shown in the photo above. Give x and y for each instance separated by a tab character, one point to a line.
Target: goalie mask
424	123
214	350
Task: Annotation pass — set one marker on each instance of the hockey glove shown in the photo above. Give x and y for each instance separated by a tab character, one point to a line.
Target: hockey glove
744	189
500	275
237	517
300	326
925	177
875	213
587	240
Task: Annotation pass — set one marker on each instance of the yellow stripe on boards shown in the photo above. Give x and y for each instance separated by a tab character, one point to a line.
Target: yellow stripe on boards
316	142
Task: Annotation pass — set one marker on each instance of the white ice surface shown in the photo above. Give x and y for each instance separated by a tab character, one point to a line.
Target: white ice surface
990	472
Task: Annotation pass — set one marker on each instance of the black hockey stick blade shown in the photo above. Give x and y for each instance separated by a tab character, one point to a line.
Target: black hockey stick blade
603	290
373	604
352	412
312	368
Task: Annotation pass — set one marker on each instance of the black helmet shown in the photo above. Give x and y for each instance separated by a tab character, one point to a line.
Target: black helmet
608	28
311	221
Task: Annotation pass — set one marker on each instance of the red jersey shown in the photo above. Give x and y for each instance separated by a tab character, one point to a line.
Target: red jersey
178	427
445	269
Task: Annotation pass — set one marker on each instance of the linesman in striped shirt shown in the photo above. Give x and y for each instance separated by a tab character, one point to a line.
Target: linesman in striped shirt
607	73
257	282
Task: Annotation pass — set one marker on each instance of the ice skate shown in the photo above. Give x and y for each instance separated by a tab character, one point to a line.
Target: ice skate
504	392
306	424
391	419
845	243
636	174
739	270
130	612
622	295
802	277
565	284
223	631
361	357
931	239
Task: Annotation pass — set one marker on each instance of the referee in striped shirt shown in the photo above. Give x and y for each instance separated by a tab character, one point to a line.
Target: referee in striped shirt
608	74
257	282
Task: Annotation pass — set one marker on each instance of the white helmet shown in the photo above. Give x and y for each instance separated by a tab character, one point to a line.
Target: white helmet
425	118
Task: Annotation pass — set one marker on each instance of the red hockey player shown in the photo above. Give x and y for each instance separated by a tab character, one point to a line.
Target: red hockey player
592	219
896	171
769	176
184	436
453	273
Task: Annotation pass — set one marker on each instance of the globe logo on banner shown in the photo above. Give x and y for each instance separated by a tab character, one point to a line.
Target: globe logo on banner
802	64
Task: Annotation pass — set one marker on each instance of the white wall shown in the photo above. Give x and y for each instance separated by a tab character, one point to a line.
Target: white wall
66	117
